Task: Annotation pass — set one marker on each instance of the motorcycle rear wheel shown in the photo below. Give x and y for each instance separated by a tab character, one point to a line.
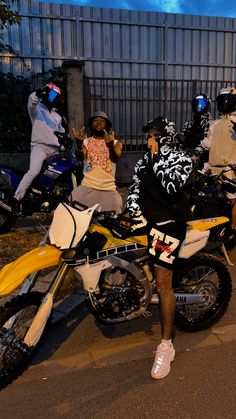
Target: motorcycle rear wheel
208	275
7	221
15	355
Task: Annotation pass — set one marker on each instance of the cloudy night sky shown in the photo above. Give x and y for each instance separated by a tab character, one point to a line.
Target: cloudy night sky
194	7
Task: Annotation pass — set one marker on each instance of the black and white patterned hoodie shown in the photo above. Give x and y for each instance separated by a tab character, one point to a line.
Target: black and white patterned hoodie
158	181
196	130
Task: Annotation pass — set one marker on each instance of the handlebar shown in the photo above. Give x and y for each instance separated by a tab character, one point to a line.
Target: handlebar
63	138
230	166
100	215
208	172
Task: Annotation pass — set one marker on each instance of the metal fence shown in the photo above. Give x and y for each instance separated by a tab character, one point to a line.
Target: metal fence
132	102
137	64
120	43
129	102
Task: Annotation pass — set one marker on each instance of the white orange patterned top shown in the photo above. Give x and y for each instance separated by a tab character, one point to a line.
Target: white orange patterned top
99	171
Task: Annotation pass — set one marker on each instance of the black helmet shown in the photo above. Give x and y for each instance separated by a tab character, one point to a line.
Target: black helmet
162	125
100	114
201	103
166	130
226	100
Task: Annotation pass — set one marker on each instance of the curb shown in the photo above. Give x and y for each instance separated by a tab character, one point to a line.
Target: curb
68	304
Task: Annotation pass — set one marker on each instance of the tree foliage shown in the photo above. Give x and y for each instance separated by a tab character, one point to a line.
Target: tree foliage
15	124
7	17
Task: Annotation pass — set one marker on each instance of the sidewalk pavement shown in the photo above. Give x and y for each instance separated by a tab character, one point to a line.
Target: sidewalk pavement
223	331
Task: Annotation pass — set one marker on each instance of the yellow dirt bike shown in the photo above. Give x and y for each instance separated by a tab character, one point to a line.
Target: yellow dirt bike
117	279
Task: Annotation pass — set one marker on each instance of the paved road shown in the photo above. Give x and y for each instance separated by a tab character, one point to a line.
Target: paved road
85	370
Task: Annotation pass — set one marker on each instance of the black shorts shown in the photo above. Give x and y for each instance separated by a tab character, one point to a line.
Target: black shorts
164	242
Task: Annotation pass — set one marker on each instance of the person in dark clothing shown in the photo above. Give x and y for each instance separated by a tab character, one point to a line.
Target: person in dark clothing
196	130
156	195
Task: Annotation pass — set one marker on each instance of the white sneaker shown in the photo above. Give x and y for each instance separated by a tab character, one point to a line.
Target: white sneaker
164	356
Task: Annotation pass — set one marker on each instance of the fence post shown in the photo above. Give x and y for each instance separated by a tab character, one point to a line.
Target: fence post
75	92
194	88
166	50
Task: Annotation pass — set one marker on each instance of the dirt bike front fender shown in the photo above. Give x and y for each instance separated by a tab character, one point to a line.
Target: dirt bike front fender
13	274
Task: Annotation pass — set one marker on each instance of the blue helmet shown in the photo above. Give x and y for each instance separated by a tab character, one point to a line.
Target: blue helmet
201	103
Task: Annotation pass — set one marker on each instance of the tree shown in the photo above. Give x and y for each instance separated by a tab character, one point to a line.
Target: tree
7	17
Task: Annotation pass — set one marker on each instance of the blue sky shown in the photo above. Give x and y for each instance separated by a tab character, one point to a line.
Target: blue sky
195	7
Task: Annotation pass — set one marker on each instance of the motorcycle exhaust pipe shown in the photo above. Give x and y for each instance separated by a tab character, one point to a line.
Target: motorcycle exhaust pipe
116	288
181	299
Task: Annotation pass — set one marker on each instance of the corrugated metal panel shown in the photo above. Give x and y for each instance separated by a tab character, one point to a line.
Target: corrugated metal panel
146	53
123	43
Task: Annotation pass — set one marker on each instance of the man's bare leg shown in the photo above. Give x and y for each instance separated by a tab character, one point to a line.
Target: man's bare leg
165	352
233	212
167	300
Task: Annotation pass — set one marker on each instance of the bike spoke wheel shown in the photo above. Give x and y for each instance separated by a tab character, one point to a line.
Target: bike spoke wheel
15	320
208	276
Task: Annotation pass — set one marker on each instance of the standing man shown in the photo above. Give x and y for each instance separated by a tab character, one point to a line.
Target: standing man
100	153
156	192
44	143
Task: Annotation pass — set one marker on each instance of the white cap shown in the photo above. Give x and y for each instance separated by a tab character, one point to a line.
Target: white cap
227	90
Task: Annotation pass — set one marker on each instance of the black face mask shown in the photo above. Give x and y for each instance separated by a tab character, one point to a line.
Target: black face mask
48	104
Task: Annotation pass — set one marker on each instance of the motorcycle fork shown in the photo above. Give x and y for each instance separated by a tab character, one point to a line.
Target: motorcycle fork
29	282
53	289
26	287
74	180
58	279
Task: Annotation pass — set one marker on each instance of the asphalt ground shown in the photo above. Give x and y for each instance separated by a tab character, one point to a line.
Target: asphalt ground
88	370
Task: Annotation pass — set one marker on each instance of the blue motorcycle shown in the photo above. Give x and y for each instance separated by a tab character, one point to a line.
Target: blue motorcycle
60	174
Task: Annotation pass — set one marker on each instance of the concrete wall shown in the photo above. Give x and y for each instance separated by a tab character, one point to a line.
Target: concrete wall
75	92
15	160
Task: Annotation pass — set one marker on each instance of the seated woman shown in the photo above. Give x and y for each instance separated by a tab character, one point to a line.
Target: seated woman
100	153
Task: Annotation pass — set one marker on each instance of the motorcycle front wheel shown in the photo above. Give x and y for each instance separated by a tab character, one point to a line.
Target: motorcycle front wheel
207	275
15	320
7	221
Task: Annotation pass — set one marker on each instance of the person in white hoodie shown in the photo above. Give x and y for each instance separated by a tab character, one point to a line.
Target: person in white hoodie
221	141
44	143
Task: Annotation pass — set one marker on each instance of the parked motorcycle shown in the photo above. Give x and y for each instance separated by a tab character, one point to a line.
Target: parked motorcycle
208	193
117	279
208	197
59	175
